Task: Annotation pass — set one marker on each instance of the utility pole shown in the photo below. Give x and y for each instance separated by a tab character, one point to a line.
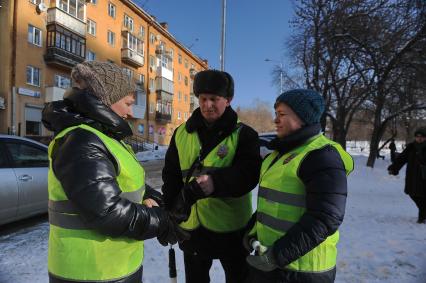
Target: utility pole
222	46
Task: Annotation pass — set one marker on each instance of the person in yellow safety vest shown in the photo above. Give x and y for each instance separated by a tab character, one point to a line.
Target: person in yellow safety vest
211	166
301	198
96	185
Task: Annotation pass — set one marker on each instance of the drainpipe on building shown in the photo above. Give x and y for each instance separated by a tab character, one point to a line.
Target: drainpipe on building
13	67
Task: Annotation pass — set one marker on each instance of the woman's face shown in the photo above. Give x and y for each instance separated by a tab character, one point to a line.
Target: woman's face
123	107
286	121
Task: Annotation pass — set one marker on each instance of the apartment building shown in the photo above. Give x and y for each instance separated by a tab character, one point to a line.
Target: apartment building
42	40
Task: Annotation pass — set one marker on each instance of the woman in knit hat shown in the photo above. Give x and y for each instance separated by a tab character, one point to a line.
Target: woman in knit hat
96	216
414	155
301	199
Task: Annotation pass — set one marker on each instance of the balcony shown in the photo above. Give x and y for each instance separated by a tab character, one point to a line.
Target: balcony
131	57
56	15
61	58
163	117
165	73
54	93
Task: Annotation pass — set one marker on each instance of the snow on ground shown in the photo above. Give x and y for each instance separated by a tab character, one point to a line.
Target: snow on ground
380	240
153	154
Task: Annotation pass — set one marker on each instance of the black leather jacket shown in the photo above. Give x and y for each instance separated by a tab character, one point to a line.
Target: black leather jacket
88	171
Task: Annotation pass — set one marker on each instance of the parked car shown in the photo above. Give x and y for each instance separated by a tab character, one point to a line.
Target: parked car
264	140
23	173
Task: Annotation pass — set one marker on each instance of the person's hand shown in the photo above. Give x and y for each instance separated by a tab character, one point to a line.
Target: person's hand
155	197
150	202
265	262
181	208
171	233
206	184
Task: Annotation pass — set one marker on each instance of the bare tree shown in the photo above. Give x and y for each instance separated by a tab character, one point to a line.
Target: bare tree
259	116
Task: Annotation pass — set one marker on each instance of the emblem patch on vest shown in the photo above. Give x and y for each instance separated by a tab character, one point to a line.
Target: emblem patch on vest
290	158
222	151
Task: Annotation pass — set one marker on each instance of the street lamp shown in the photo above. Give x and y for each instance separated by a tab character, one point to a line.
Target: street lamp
281	72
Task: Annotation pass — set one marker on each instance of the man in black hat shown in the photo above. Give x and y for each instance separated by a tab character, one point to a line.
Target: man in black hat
211	166
414	155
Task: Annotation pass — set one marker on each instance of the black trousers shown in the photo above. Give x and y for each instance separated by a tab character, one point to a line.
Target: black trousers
421	205
197	268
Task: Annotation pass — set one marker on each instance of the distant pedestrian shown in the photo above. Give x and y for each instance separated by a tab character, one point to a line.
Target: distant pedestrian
392	148
96	216
414	155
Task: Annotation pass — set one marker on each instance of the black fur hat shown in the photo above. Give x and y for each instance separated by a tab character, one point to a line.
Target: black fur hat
214	82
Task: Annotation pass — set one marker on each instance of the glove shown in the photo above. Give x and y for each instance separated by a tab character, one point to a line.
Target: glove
151	193
265	262
392	171
181	208
170	232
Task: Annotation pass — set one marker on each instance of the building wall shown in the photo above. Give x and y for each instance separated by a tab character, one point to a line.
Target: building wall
28	54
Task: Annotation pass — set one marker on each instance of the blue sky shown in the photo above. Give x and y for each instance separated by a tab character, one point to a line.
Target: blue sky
255	30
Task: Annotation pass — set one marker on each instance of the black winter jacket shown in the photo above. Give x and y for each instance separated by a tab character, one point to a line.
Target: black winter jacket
234	181
87	170
414	155
324	176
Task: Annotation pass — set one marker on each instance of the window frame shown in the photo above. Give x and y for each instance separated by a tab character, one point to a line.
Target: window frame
32	75
33	30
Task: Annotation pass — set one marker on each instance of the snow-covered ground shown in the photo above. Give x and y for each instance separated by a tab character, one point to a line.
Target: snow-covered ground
380	239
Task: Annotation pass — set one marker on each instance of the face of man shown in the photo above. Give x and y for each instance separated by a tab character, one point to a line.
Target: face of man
420	139
286	121
123	107
212	106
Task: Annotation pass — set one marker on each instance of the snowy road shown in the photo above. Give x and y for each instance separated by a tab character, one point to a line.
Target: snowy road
380	241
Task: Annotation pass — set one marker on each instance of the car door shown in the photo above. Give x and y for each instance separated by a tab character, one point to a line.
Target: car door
8	189
30	163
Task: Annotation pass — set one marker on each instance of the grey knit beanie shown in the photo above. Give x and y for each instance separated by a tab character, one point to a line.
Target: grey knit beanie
108	82
307	104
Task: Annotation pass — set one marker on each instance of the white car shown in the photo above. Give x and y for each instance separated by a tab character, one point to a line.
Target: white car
264	140
23	178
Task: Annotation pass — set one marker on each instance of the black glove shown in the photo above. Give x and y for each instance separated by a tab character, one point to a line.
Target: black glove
153	194
181	208
392	171
170	232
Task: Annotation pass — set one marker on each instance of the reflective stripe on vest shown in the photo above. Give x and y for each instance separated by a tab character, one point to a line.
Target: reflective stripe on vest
215	214
282	202
76	252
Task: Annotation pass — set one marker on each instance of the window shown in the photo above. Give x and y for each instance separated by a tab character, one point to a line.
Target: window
186	98
142	31
61	38
186	63
128	22
62	82
152	61
34	35
25	155
179	96
151	38
111	10
73	7
128	72
186	80
111	38
151	84
91	27
35	1
133	43
91	56
151	107
94	2
179	77
33	76
180	58
185	115
141	78
178	115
